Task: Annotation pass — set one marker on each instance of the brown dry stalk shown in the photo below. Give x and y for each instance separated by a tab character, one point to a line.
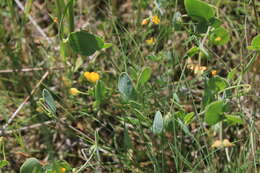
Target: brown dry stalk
25	101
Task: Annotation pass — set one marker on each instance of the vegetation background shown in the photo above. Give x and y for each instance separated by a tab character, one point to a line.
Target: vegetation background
161	55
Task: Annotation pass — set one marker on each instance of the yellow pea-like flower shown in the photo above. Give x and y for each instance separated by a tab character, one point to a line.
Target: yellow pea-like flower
145	21
155	20
74	91
92	76
150	41
214	72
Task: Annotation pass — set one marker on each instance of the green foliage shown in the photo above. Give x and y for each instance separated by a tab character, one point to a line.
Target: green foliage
48	101
255	44
126	87
144	76
3	163
31	165
234	120
213	112
157	127
85	43
188	117
108	122
219	36
199	10
100	92
213	86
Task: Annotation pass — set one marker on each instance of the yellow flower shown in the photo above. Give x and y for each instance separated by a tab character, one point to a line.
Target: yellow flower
214	72
145	21
155	20
150	41
55	20
92	76
224	143
74	91
196	68
218	39
62	170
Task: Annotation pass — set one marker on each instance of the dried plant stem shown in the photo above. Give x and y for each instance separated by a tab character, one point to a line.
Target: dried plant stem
25	100
40	30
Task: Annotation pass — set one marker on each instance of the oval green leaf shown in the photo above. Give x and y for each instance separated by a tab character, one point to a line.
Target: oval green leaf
144	76
199	10
255	44
157	123
125	86
213	112
219	36
233	119
100	92
3	163
48	100
31	165
85	43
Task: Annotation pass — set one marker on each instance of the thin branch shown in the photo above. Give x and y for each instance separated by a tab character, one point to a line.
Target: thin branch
30	69
25	100
40	30
28	127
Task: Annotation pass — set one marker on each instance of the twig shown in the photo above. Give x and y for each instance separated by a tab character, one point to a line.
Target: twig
20	5
25	100
28	127
30	69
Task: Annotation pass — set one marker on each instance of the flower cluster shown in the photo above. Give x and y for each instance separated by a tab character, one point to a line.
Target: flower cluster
155	20
92	77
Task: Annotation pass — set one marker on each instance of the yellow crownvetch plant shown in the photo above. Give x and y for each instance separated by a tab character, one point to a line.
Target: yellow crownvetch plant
156	20
74	91
92	76
150	41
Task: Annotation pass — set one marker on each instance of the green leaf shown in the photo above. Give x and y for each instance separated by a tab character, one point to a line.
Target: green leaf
199	10
213	86
219	36
188	118
157	127
48	100
85	43
213	112
3	163
127	140
144	76
31	165
107	45
100	92
215	22
255	44
193	51
233	119
125	86
202	26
